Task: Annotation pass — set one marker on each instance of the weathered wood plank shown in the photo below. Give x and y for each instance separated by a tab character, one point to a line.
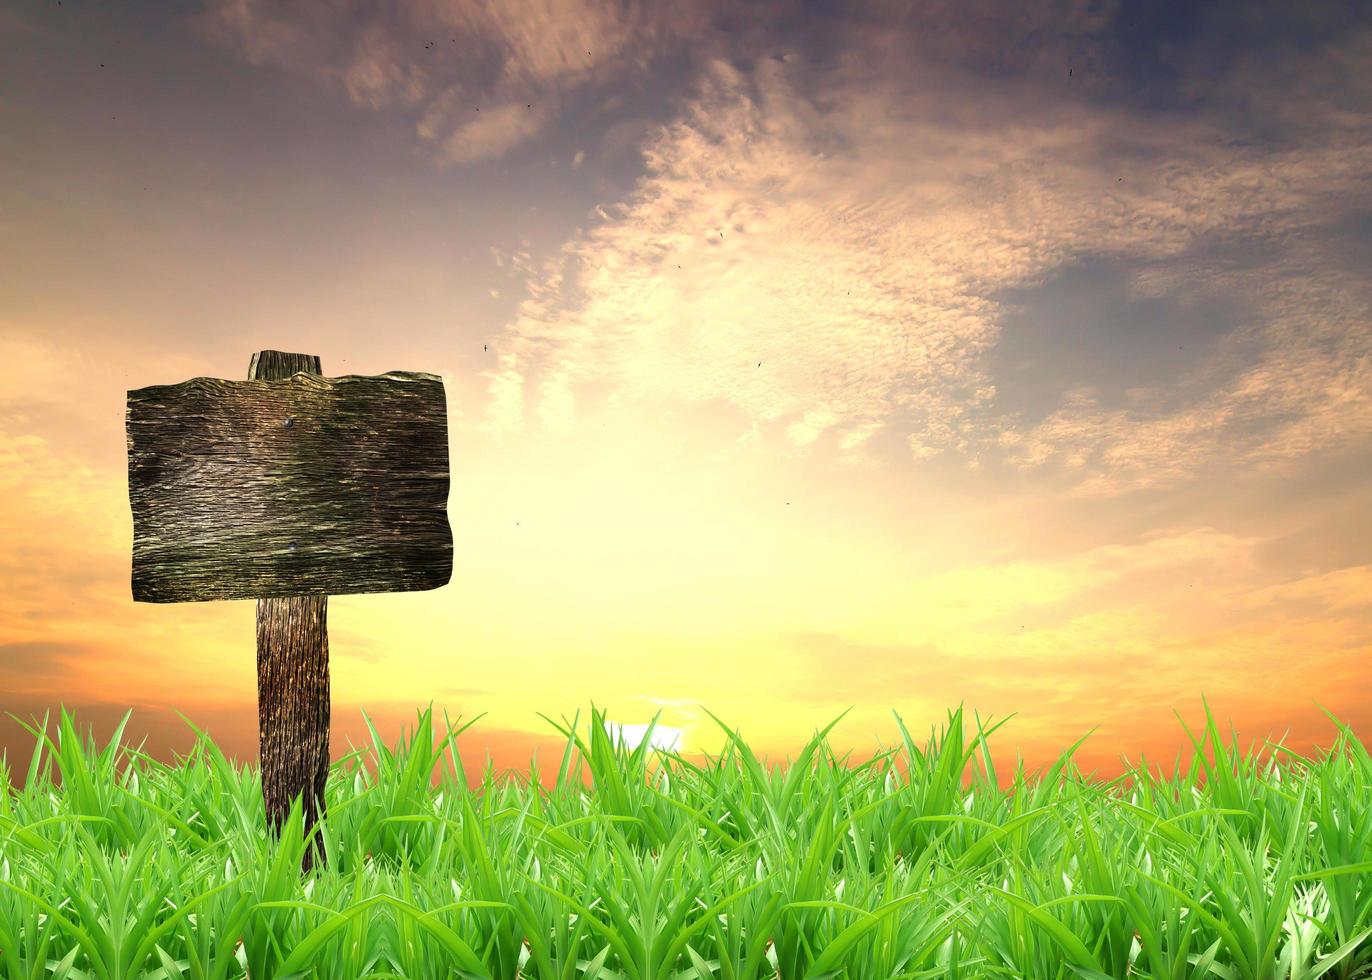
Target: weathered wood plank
293	709
302	486
293	704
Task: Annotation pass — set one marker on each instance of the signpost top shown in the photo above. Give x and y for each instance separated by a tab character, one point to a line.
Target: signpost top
304	485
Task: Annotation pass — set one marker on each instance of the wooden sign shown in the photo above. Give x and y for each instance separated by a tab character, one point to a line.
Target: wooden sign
286	488
302	486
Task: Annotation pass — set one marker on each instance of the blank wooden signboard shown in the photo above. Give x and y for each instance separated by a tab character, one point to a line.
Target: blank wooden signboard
301	486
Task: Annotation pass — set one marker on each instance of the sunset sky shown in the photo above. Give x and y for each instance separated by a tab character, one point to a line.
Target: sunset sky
798	356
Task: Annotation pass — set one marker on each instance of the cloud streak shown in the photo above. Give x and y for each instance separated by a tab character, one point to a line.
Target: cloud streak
822	244
467	69
854	241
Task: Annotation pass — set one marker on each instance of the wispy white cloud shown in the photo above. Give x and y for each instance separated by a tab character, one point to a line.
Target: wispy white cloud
1341	589
462	65
822	246
1296	380
379	74
663	736
851	230
1076	630
492	132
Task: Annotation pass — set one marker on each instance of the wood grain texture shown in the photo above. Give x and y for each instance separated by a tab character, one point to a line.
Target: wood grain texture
293	701
293	709
297	485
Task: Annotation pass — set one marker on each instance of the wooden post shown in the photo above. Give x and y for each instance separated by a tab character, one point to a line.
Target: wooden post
285	489
292	675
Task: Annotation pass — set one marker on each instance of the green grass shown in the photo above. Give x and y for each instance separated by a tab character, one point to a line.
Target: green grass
913	863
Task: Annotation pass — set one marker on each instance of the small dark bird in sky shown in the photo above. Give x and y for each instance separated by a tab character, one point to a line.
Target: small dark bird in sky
1118	179
485	347
529	105
1069	73
759	364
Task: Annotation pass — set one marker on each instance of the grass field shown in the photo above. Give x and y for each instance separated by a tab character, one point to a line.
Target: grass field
912	863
